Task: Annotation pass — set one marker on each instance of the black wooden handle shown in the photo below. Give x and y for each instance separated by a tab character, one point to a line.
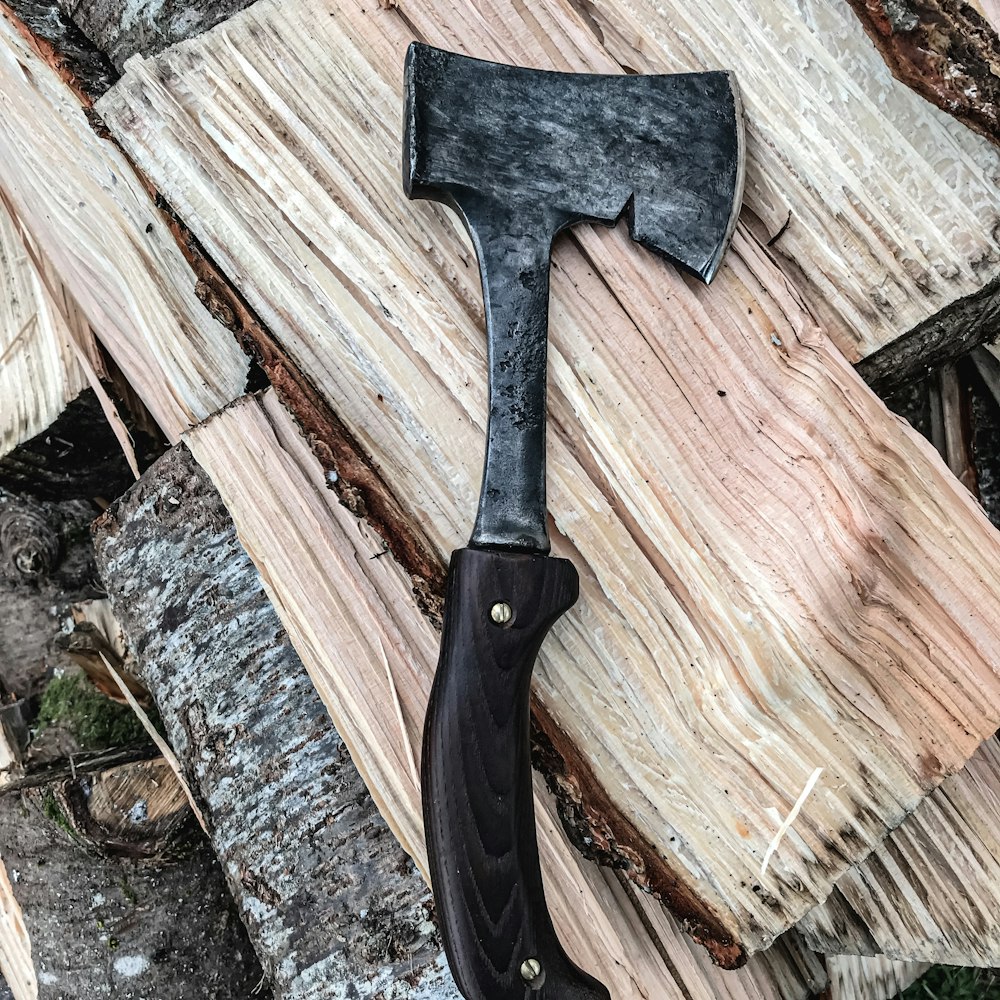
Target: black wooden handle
478	812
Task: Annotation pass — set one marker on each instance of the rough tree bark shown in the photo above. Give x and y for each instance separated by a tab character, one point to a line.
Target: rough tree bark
332	903
121	29
945	50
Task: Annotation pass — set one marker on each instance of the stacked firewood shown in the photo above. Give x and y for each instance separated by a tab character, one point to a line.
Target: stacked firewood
764	737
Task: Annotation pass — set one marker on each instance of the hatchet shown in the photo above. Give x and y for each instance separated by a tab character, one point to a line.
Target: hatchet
519	155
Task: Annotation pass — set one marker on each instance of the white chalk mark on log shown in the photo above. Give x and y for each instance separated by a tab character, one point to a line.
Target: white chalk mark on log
787	822
403	732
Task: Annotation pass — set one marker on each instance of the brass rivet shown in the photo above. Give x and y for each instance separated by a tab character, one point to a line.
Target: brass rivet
501	613
531	973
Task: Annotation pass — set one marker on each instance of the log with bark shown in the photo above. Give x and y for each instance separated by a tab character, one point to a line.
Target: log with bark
328	896
96	223
362	310
46	565
241	433
946	50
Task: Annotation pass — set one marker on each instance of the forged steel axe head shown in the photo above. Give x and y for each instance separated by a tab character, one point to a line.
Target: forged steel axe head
575	147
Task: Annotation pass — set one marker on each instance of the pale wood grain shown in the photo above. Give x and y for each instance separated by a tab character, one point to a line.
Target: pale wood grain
928	892
853	978
39	369
990	9
549	26
15	946
95	222
774	580
840	151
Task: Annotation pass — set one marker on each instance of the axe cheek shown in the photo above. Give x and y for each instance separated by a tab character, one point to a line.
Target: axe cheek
578	147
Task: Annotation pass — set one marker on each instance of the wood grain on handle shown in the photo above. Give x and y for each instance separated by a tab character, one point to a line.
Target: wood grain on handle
478	809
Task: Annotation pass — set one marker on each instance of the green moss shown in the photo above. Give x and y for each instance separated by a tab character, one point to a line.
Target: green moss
949	982
52	811
96	722
128	892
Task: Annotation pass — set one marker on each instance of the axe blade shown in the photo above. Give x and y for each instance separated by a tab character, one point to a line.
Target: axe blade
666	150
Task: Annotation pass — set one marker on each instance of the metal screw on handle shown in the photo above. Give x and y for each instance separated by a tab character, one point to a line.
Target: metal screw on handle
533	973
501	613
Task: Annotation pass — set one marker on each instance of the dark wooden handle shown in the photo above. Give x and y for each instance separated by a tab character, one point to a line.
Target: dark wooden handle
478	811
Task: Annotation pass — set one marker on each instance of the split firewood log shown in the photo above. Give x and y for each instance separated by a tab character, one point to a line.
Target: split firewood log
45	350
424	454
233	439
118	257
856	978
927	893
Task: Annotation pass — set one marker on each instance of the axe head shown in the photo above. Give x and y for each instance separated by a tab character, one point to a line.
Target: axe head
572	147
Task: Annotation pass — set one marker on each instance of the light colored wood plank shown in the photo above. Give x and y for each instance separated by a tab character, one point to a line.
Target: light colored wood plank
763	592
39	369
95	223
853	978
356	624
929	891
840	151
15	946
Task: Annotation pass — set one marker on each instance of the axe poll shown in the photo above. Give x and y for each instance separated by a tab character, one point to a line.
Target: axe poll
520	154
